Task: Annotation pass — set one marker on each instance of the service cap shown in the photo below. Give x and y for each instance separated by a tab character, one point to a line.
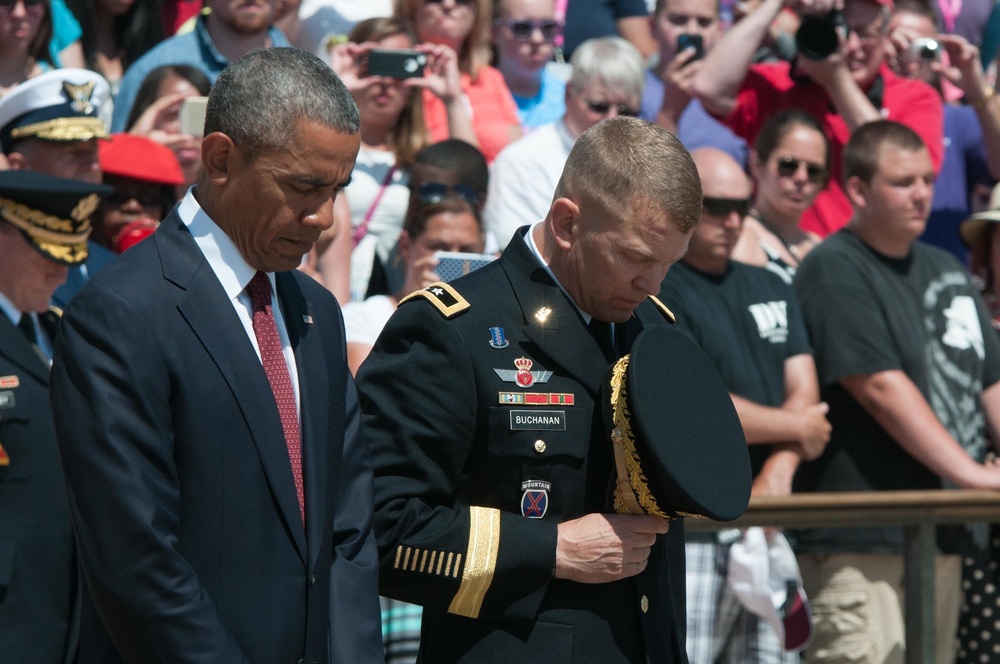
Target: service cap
59	105
52	213
677	441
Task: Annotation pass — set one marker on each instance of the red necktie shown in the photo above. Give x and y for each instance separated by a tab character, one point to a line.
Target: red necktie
273	359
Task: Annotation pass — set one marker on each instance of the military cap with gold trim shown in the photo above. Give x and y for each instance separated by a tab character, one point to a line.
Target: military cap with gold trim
59	105
52	213
677	441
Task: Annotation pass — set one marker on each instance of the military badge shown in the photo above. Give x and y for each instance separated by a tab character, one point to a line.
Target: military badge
543	314
535	499
79	96
7	399
497	338
9	381
534	399
4	457
523	375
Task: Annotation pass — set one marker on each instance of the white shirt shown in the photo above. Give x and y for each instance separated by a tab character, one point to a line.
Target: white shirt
363	321
234	273
523	179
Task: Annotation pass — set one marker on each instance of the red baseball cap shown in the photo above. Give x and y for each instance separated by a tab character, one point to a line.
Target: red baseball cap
139	158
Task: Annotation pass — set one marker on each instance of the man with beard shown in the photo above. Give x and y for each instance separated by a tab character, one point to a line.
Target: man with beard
910	367
230	31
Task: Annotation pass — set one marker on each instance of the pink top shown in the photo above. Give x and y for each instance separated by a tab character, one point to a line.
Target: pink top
492	108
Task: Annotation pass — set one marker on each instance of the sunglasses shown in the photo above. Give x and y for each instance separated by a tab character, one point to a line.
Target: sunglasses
433	193
457	2
7	6
522	29
789	166
602	108
723	207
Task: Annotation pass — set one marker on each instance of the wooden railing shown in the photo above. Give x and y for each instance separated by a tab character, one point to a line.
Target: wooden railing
916	512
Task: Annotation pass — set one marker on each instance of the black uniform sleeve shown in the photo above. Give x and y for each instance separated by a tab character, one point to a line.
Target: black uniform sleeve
420	410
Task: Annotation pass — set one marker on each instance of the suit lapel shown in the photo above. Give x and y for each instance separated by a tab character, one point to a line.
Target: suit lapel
314	395
208	311
16	348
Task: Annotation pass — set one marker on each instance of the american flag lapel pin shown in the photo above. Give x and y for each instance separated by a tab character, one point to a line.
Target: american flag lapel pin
307	319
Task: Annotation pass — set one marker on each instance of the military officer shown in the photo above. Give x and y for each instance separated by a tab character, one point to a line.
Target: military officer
493	468
44	224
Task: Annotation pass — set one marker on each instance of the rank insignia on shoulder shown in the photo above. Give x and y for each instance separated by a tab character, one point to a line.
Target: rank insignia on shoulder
445	298
535	499
497	338
4	457
523	375
667	313
9	381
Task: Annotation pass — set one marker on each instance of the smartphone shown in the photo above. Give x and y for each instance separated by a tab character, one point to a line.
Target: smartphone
687	40
454	264
193	115
396	63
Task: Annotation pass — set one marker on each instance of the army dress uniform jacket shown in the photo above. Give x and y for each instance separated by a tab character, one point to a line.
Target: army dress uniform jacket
37	565
480	400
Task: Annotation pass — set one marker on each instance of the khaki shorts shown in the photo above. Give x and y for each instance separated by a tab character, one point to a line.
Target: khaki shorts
857	604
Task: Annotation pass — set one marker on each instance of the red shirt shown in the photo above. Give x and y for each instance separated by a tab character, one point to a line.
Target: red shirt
769	89
489	102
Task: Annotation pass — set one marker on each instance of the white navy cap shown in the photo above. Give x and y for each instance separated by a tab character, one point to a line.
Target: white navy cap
60	105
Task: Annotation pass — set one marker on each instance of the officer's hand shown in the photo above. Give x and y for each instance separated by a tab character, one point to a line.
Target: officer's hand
599	548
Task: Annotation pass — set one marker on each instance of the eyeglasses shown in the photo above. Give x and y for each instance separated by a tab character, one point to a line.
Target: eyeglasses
522	29
602	108
789	166
433	193
723	207
457	2
872	31
148	199
30	6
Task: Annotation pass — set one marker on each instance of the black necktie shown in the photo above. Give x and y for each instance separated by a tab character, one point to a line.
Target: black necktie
27	326
602	332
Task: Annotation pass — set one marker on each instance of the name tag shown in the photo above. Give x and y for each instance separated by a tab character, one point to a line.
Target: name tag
7	399
538	420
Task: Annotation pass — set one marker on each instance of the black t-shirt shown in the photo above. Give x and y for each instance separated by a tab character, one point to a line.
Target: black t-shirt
868	313
748	322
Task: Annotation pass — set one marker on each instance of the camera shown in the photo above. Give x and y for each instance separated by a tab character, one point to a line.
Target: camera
923	48
819	36
396	63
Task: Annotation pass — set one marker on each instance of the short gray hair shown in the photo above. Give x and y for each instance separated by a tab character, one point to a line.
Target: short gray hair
259	98
613	61
622	163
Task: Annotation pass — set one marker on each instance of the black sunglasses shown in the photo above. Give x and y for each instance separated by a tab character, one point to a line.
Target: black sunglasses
602	107
522	29
433	193
723	207
789	166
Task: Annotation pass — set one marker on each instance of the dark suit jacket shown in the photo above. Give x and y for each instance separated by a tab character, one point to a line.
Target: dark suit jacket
452	463
182	498
37	569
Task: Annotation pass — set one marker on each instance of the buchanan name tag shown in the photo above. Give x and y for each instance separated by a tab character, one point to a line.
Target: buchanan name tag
538	420
7	399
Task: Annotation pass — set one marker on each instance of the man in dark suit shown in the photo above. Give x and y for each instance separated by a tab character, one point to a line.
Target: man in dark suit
220	488
44	224
493	466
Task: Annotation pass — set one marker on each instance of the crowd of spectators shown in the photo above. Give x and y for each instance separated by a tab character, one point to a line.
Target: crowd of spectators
458	154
